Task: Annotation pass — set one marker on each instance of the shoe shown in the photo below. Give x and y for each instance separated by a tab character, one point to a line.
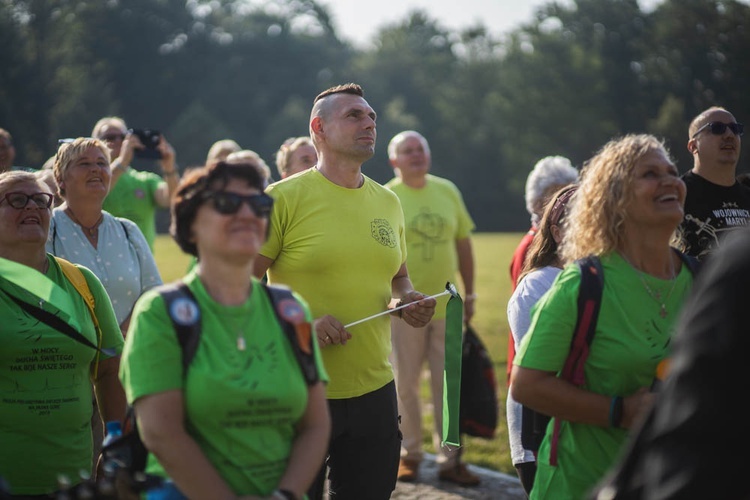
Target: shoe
459	474
407	470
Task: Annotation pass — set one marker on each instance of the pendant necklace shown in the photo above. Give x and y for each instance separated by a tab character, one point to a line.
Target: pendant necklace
656	294
241	343
90	231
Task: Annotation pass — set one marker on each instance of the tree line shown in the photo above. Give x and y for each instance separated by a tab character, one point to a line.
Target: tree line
565	82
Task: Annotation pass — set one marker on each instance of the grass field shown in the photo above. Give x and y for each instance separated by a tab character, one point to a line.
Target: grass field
492	252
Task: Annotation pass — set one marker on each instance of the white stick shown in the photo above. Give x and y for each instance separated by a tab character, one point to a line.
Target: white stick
388	311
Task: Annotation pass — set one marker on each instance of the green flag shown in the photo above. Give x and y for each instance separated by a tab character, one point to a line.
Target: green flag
41	287
454	326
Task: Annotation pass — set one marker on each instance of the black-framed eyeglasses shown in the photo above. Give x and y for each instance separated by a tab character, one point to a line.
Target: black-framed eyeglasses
19	200
718	128
227	203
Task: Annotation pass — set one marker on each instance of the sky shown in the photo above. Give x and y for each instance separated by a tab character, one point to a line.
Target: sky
358	21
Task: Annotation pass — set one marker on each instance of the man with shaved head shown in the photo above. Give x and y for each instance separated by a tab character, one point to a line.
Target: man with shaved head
716	202
337	238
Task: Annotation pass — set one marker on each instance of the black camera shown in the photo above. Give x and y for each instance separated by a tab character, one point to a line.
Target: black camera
150	140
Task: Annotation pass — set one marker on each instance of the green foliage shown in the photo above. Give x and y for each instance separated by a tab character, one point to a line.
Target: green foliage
565	82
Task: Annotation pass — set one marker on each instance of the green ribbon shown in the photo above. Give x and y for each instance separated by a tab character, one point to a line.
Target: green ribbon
454	327
41	287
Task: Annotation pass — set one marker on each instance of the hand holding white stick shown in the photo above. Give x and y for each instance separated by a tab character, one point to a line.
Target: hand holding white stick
388	311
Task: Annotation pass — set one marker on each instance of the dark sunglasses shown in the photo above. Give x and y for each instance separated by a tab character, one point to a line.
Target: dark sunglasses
718	128
227	203
19	200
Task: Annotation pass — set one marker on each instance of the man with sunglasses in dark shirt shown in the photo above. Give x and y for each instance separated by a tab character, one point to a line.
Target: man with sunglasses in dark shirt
716	203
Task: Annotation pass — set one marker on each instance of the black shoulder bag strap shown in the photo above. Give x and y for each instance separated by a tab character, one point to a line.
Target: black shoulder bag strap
58	324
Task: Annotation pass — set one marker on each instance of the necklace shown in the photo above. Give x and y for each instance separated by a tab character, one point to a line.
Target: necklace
656	294
90	231
240	327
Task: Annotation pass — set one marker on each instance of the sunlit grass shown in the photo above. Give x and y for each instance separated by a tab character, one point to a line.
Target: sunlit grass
492	252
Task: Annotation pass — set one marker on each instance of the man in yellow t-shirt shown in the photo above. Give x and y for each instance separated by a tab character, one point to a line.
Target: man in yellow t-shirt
438	229
337	238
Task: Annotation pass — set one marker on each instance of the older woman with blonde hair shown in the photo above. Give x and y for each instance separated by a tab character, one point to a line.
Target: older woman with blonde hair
626	210
47	367
81	231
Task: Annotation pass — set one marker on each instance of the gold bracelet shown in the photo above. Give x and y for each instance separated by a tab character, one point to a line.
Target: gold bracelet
471	296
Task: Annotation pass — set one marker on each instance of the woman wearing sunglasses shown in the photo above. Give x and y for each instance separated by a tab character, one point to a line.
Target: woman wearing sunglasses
242	421
45	374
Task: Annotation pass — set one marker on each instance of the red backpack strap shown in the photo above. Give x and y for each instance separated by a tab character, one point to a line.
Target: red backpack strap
589	303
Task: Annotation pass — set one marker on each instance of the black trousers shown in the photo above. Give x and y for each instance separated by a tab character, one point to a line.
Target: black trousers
364	450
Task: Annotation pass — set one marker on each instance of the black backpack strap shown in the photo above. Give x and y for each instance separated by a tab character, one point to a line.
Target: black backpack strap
589	303
58	324
185	314
298	330
693	264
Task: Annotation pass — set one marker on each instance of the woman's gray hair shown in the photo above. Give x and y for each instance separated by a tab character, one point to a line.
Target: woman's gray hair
550	171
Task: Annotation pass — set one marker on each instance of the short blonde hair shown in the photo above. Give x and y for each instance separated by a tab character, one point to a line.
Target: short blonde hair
287	149
221	149
68	152
595	220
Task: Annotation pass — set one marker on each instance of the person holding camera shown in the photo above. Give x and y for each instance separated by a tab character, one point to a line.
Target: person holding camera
135	194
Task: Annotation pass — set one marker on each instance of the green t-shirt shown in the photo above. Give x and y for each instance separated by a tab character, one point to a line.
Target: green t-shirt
134	197
436	218
631	339
241	406
45	387
340	249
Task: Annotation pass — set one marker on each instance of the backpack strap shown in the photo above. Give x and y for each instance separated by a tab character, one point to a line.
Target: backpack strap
78	280
589	303
298	330
693	264
186	319
185	314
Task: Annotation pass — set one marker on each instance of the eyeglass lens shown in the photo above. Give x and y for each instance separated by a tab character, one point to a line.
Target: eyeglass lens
230	203
718	128
20	200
